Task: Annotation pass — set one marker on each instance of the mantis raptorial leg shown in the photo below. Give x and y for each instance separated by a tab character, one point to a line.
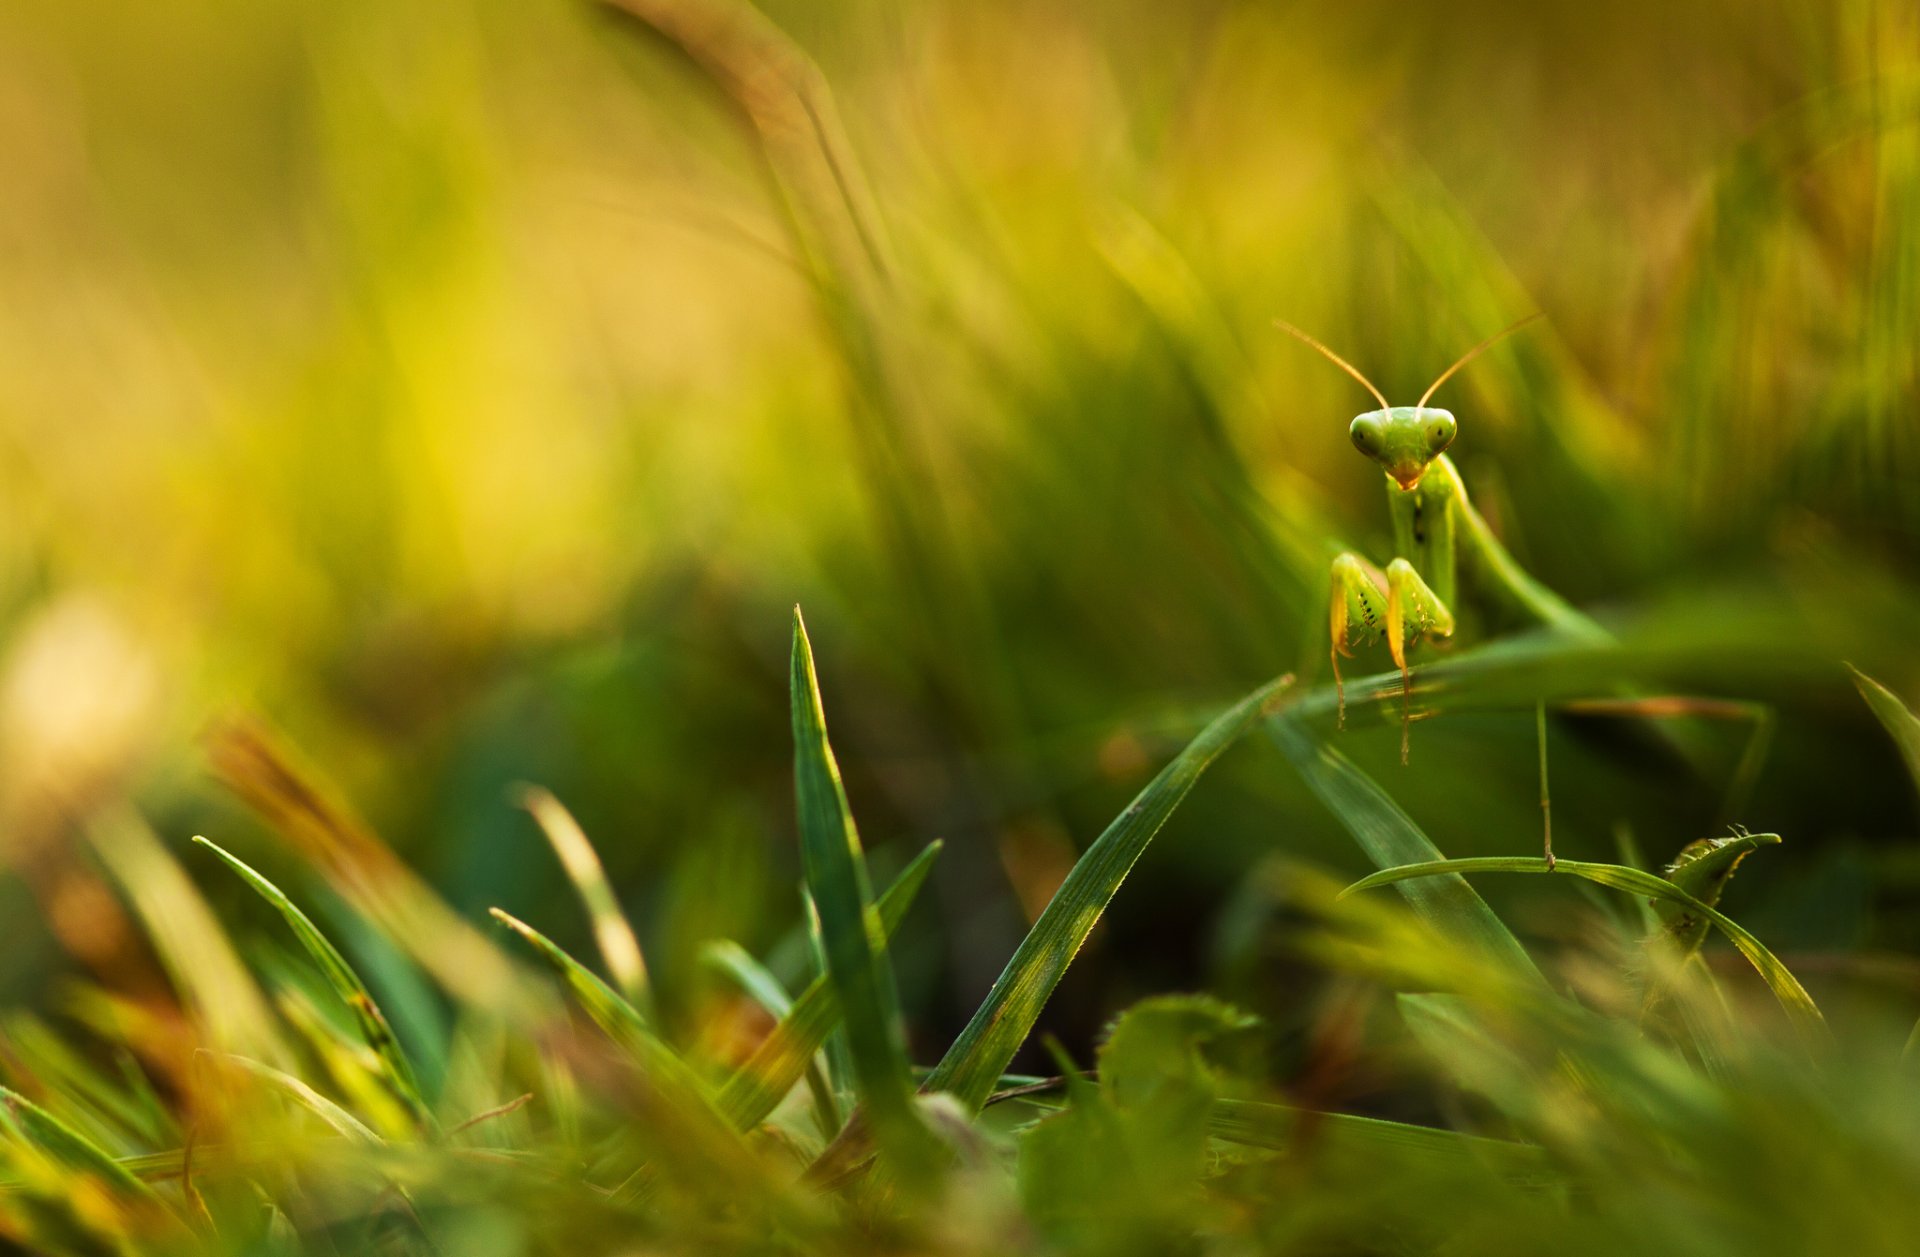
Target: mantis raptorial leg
1435	527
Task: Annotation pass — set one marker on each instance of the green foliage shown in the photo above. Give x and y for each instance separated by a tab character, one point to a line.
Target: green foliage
1119	1170
466	384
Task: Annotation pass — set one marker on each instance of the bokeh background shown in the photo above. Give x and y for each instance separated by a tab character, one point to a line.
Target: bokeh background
469	391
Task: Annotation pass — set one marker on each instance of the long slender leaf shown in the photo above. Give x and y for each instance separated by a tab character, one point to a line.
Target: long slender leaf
1265	1125
1005	1018
321	1107
609	1010
611	930
733	960
679	1099
1900	722
1389	837
67	1146
341	977
853	940
757	1086
1702	869
1785	987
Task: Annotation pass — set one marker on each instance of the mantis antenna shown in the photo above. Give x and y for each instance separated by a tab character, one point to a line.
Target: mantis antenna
1343	364
1471	354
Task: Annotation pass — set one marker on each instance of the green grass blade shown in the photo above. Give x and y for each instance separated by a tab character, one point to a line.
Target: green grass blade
1390	838
1261	1124
1004	1019
341	977
70	1148
836	875
752	977
321	1107
611	930
780	1060
1702	869
609	1010
1901	724
684	1114
727	957
1785	987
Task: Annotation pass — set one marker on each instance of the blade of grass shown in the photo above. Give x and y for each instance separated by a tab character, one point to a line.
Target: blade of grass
1900	722
67	1146
611	930
1389	837
757	1086
1261	1124
302	808
835	1053
733	960
326	1110
199	958
853	940
1785	987
345	983
1004	1019
678	1102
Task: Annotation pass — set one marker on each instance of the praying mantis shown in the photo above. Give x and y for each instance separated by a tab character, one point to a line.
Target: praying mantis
1435	525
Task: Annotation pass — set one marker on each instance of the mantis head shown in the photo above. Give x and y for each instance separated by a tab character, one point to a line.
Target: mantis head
1405	440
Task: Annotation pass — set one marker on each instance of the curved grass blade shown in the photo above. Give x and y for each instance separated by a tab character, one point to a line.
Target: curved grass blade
344	981
850	931
1900	722
70	1148
1390	838
1702	869
611	930
680	1103
1001	1024
1262	1124
752	977
1785	987
199	958
724	956
321	1107
780	1060
610	1011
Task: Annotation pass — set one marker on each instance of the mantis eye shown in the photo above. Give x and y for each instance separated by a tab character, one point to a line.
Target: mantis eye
1364	438
1440	432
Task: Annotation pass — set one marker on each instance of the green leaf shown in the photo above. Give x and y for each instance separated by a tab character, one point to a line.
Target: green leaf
733	960
344	981
1005	1018
683	1115
620	1020
1260	1124
70	1148
1901	724
1390	838
725	956
1121	1166
611	931
851	934
321	1107
1702	869
757	1086
1785	987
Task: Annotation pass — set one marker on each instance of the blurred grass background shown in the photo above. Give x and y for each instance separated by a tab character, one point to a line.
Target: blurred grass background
465	389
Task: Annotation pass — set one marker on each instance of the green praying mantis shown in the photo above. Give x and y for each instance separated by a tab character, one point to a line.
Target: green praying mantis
1435	526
